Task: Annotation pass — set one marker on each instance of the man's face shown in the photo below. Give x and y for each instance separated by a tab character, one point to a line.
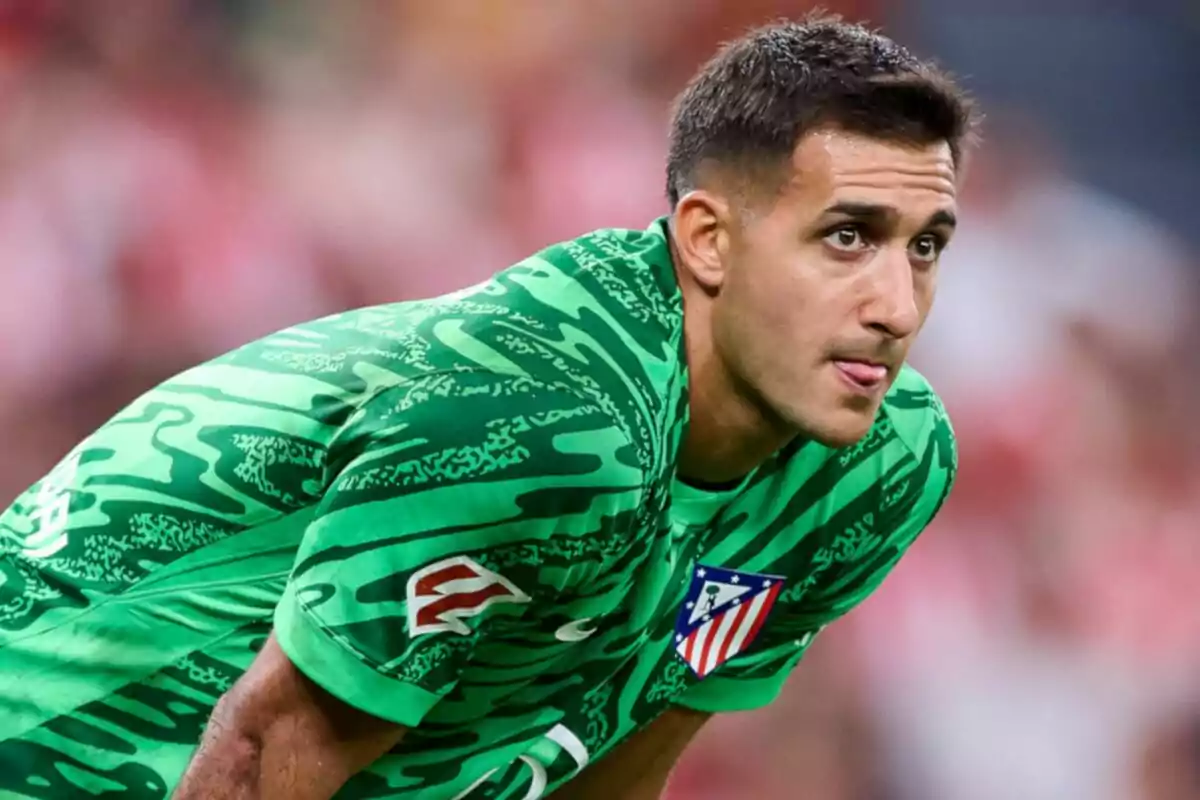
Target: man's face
823	292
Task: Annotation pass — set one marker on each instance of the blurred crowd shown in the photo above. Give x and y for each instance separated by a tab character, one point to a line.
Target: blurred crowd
179	177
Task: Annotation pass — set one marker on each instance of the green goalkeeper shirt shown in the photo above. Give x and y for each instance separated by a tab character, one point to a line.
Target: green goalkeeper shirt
459	514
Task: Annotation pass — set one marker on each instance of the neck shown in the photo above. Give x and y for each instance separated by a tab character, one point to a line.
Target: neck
728	433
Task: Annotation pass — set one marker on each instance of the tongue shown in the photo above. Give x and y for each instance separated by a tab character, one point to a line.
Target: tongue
862	372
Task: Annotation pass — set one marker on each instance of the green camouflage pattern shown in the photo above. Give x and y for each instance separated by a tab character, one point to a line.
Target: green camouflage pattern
521	434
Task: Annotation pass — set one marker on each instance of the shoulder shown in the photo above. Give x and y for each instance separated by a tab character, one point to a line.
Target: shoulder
468	396
348	356
879	496
905	465
614	246
476	453
474	424
915	415
911	425
628	276
601	314
921	482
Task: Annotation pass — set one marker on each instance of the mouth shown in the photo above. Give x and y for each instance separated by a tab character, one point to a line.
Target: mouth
862	376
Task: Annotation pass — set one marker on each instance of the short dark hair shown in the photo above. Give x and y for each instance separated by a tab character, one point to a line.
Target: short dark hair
752	103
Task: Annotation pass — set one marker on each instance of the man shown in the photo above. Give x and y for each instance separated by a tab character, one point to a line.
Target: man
531	534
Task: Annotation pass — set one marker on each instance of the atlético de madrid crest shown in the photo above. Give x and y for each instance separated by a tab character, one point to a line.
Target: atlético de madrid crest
722	613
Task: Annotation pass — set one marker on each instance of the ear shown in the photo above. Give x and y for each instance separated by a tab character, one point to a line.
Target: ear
701	225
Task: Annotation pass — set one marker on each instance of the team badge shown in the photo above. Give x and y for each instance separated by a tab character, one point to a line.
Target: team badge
722	613
443	594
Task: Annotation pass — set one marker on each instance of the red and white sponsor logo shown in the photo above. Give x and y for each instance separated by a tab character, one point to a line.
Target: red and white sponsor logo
443	594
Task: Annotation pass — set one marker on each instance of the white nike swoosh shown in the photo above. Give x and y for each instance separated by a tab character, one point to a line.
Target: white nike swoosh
575	631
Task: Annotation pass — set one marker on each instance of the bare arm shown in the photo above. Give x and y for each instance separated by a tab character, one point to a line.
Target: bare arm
278	734
638	769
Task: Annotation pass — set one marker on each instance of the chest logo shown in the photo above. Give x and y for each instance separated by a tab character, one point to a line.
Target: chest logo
721	614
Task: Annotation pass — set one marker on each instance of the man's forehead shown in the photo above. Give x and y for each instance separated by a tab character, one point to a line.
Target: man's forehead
838	144
832	166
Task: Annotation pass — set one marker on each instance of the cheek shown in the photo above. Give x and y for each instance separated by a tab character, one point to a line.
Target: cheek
777	292
742	331
761	310
926	293
760	322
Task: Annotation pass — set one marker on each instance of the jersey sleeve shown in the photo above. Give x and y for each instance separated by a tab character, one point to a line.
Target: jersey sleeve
848	568
462	504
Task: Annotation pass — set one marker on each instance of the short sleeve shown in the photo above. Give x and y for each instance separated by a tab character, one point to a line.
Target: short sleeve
461	501
851	566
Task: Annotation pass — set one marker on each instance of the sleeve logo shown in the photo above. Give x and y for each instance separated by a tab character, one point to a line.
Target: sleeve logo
443	594
722	613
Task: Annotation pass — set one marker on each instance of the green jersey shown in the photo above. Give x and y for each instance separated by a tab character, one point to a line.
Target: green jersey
459	514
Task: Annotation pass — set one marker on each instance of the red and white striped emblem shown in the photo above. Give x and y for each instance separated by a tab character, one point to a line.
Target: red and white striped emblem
723	611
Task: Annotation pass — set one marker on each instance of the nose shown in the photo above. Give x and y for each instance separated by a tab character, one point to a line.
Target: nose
891	302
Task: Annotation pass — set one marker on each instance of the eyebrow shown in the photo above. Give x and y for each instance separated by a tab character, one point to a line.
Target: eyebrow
872	212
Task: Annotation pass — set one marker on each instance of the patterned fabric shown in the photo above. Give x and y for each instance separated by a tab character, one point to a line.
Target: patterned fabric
459	514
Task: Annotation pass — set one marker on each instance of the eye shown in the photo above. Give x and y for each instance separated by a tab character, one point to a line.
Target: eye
847	238
927	247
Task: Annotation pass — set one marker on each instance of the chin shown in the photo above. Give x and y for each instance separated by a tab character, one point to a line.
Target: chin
840	429
839	437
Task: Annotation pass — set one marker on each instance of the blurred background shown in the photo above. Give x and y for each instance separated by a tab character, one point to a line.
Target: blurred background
177	178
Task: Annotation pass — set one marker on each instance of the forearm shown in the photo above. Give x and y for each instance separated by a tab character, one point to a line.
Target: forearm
639	768
649	786
640	777
225	767
231	764
277	734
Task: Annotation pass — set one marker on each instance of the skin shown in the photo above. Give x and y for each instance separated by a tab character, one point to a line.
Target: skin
840	264
278	734
639	767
